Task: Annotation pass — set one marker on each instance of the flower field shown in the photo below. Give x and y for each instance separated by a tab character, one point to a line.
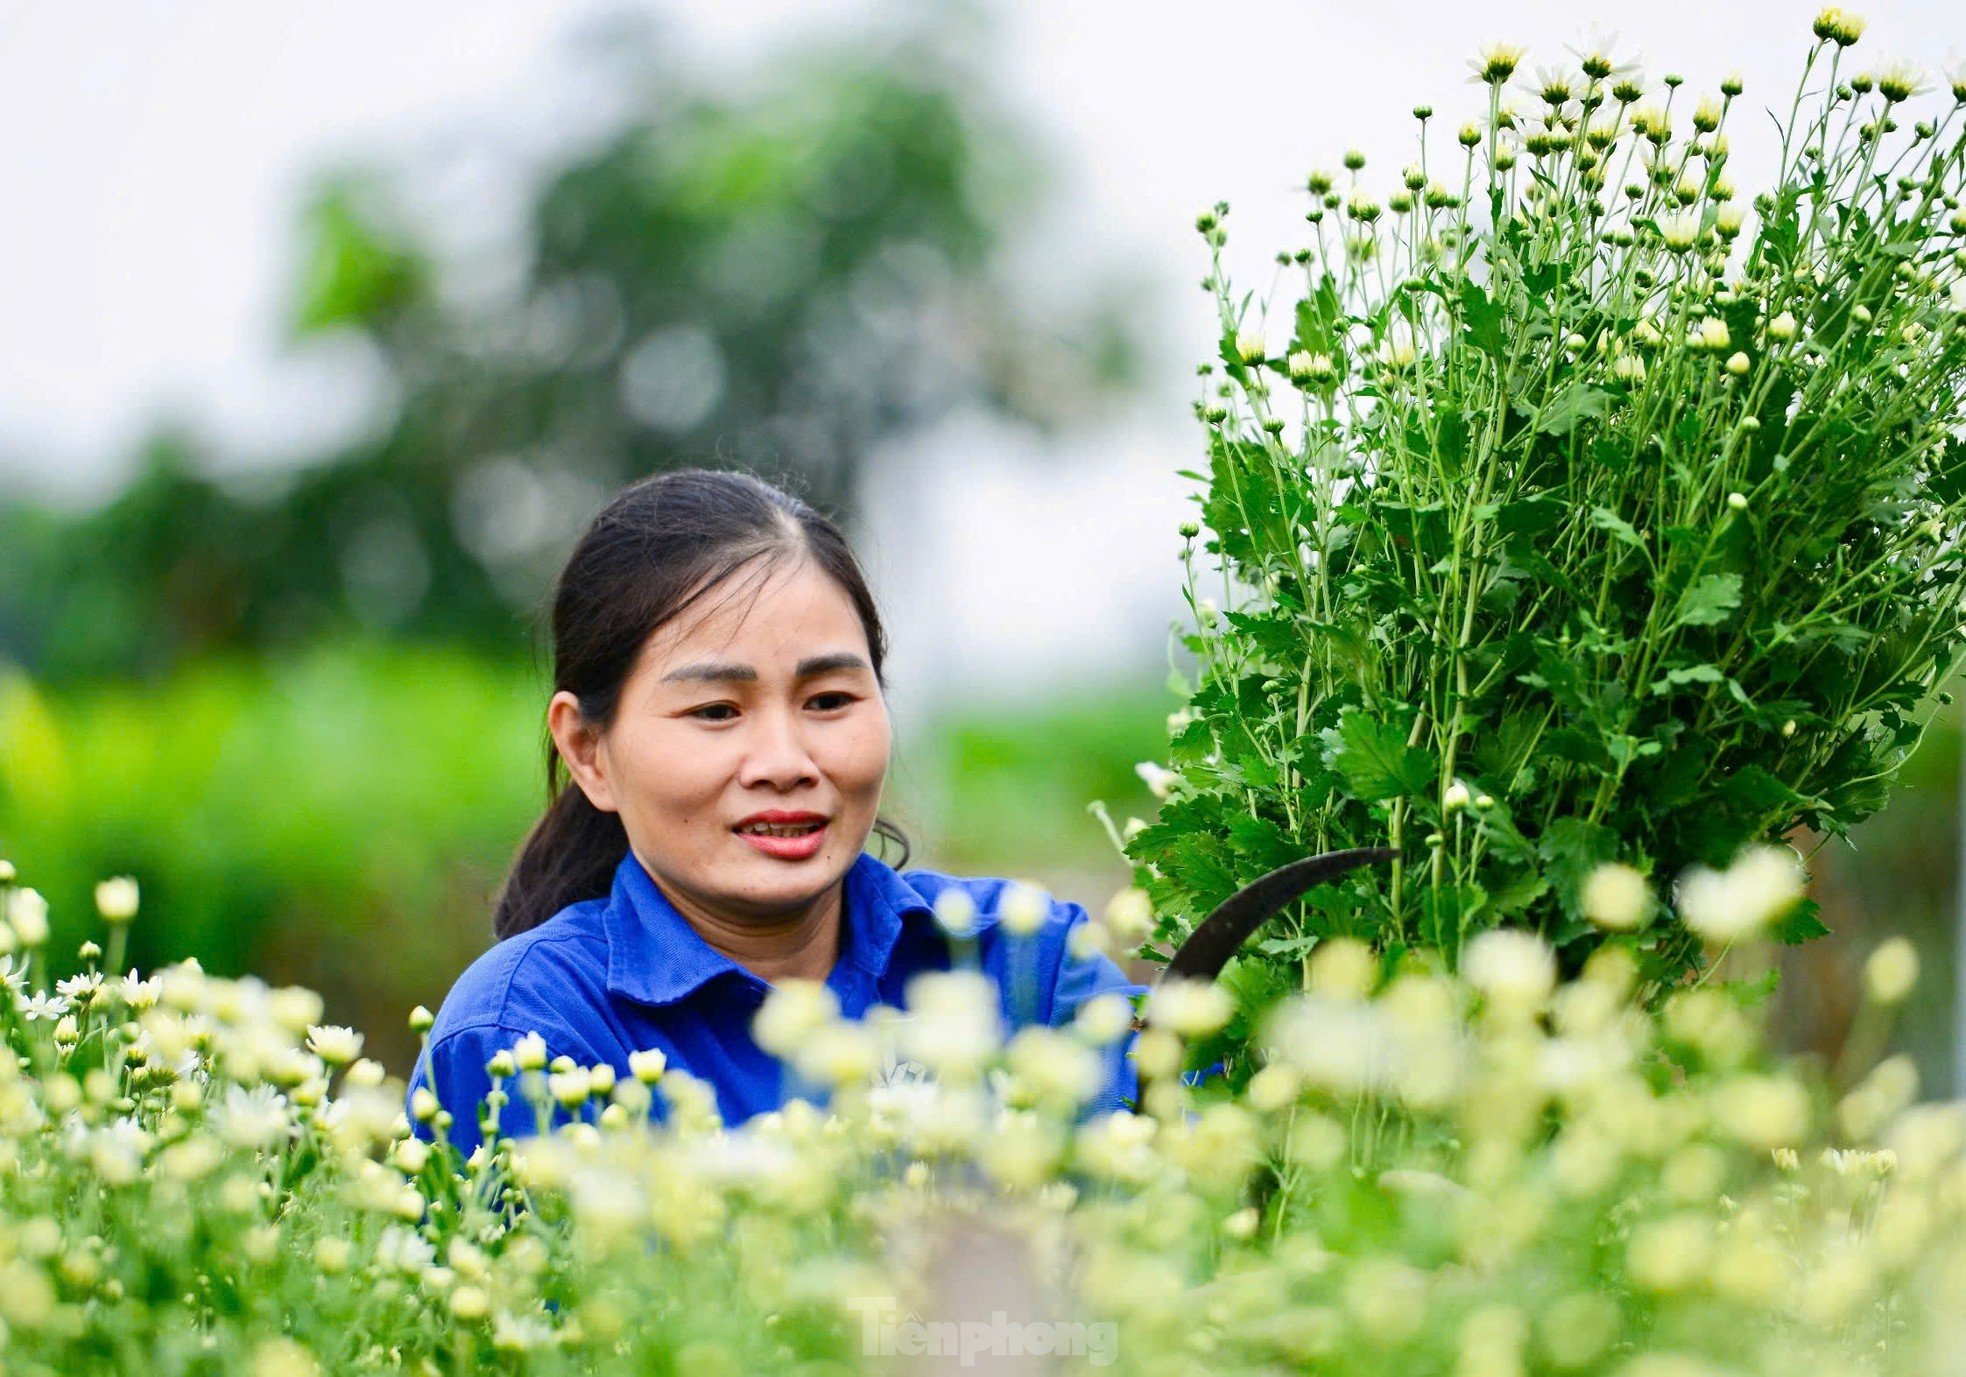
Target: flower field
1488	1172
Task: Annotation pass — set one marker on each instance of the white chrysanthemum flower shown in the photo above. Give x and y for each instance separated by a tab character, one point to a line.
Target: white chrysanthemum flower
1088	939
137	992
1054	1065
1891	971
80	987
1737	903
1616	896
1250	347
955	910
1710	334
1191	1008
252	1119
116	899
42	1005
1160	780
1397	353
571	1089
839	1053
1348	1046
1022	909
529	1052
1130	916
411	1155
790	1013
1681	232
1496	63
1510	967
1103	1019
27	914
334	1044
956	1023
1343	968
1763	1112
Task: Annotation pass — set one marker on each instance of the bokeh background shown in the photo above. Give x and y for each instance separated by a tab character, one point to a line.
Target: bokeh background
327	328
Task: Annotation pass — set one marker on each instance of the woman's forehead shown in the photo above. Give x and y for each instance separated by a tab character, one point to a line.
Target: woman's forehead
777	625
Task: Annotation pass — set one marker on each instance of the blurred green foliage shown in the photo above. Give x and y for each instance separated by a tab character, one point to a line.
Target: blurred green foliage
1021	777
774	273
339	819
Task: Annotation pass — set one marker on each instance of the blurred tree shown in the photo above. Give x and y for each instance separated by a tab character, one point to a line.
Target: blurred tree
774	279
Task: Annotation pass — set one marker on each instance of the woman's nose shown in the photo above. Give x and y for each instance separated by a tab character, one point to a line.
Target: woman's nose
778	747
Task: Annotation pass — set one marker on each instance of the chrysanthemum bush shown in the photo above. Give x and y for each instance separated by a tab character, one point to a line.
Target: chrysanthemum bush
1585	508
1492	1171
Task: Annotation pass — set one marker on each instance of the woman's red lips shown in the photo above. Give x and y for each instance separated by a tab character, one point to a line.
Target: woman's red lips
788	848
780	818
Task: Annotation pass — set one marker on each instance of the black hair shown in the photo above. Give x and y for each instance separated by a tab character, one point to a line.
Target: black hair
662	544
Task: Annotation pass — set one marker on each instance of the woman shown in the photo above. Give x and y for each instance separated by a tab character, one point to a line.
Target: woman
719	705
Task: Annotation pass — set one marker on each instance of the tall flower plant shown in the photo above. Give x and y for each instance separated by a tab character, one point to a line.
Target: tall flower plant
1582	522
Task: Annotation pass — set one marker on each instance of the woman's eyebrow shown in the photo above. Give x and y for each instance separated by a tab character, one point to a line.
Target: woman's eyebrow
815	664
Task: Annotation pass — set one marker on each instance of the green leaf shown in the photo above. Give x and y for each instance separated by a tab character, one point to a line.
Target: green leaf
1484	319
1690	674
1801	923
1607	520
1576	402
1710	600
1571	848
1374	759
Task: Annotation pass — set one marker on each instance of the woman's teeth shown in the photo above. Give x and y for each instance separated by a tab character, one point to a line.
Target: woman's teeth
803	829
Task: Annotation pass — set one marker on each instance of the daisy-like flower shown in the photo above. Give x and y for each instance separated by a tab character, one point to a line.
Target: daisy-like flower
1838	26
1615	896
43	1006
81	988
1900	82
1740	901
116	899
1496	63
1555	86
11	975
255	1118
1595	57
1681	232
137	992
334	1044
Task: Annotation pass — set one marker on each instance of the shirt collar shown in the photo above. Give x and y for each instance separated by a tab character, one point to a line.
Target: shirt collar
656	957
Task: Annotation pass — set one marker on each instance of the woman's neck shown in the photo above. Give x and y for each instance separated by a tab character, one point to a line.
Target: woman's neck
803	946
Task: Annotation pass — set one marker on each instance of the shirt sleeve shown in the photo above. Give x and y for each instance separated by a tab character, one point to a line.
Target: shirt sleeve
454	1070
1080	979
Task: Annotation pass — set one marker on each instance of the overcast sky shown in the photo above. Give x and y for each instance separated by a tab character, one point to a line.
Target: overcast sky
155	151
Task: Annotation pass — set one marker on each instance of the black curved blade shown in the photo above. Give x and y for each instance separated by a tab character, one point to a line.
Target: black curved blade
1222	933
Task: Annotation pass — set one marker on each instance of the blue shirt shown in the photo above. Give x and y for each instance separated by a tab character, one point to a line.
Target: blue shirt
609	976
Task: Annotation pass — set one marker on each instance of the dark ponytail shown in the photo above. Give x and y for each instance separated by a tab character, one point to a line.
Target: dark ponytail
662	544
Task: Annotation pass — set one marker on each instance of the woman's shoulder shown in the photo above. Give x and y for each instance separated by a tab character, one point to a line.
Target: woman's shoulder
535	980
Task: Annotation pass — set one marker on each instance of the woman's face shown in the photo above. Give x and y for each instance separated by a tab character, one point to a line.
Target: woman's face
765	705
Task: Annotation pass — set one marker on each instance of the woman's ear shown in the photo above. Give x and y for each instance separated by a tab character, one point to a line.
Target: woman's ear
580	747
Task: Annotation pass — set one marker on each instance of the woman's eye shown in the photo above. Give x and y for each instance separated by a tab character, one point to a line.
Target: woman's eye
844	699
